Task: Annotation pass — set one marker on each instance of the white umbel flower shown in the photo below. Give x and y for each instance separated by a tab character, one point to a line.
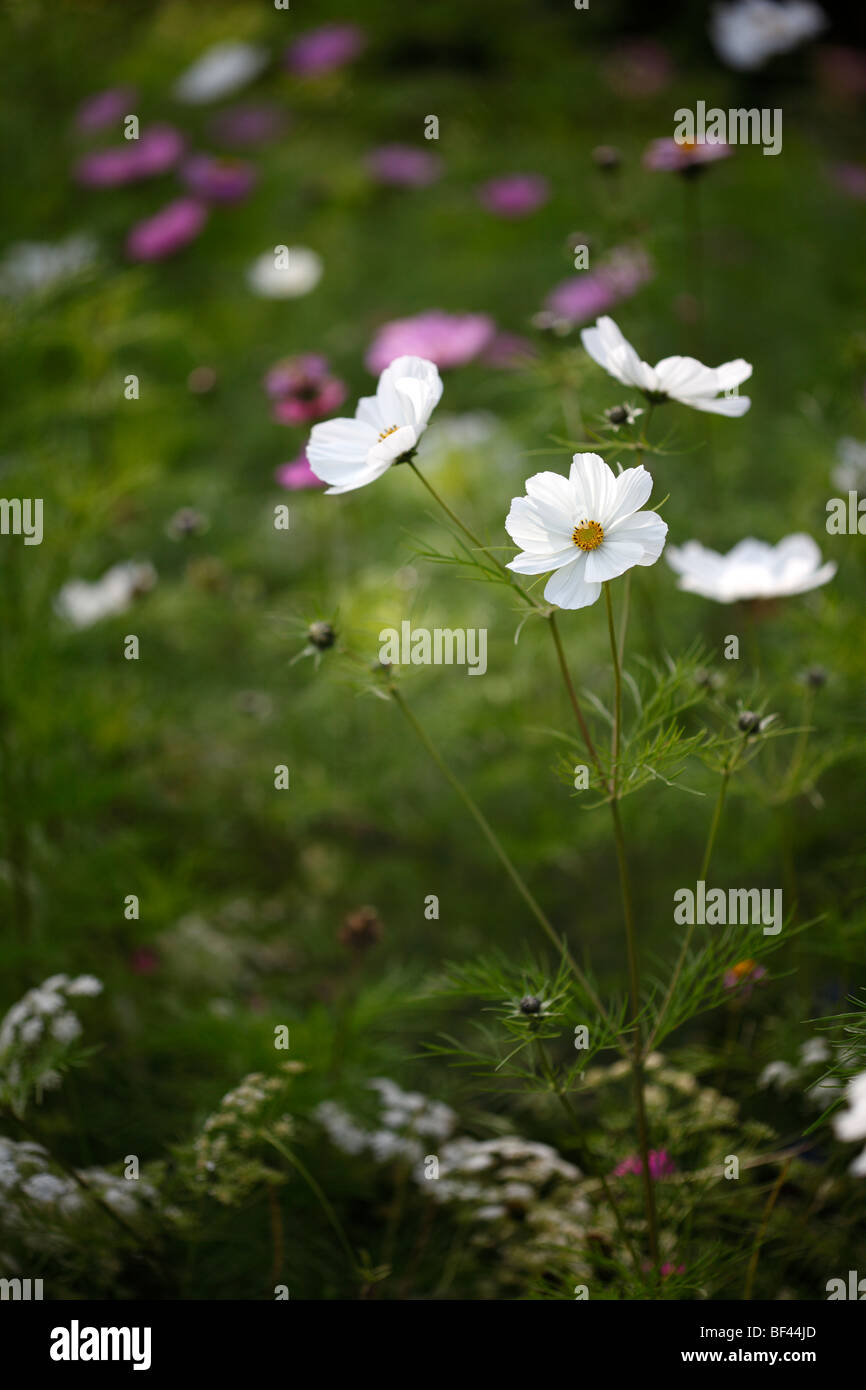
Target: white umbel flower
752	570
750	32
587	527
351	453
221	70
277	275
682	379
850	1125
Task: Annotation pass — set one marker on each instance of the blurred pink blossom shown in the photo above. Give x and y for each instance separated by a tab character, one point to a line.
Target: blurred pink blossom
297	475
218	180
168	231
638	68
514	195
660	1165
403	166
252	124
144	961
303	389
104	108
584	297
508	350
322	50
155	152
449	340
850	179
842	72
668	156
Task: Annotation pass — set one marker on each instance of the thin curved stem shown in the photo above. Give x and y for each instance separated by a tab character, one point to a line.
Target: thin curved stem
479	544
631	946
495	844
562	1096
572	695
331	1215
727	773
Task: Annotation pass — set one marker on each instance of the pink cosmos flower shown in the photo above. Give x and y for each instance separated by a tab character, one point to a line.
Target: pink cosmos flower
323	50
240	126
514	195
297	475
155	152
660	1165
842	72
583	297
168	231
218	180
303	389
691	157
668	1268
404	166
743	977
850	179
104	108
144	961
448	340
508	350
639	68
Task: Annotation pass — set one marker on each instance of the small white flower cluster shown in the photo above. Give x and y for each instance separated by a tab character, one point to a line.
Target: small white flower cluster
31	267
406	1117
223	1152
520	1197
30	1193
497	1177
783	1076
36	1031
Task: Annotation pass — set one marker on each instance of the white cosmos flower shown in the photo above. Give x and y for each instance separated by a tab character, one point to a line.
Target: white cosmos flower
682	379
850	1125
351	453
271	279
221	70
752	570
746	34
29	267
587	527
850	474
83	603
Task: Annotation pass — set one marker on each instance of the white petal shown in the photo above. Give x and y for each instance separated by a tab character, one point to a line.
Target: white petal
631	490
647	530
594	486
569	589
534	563
612	559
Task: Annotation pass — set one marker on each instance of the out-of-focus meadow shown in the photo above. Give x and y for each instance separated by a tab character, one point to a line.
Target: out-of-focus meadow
154	778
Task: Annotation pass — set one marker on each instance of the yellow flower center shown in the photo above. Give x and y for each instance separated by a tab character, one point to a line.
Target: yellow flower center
588	535
742	968
390	430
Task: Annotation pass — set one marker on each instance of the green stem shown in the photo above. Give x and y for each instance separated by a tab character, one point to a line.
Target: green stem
317	1192
479	545
801	744
702	874
562	1096
617	677
495	844
631	945
572	695
759	1239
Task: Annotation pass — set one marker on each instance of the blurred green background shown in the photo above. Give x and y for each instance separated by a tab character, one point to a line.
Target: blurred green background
155	777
